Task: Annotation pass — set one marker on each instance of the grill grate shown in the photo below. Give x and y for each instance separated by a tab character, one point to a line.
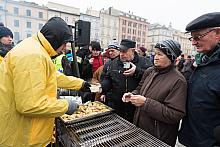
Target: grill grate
95	128
110	130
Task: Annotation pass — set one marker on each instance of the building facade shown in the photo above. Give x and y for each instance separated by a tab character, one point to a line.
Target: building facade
67	13
109	27
134	28
159	33
94	18
23	18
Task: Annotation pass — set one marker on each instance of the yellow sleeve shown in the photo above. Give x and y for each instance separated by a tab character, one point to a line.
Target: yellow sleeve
1	58
69	82
35	88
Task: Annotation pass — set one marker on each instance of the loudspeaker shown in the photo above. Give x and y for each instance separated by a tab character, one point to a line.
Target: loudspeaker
82	33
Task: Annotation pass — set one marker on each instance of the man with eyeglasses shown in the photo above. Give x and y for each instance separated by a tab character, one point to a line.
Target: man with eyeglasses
203	98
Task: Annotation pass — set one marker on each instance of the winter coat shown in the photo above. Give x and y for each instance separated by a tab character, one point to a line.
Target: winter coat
203	104
165	91
28	89
119	84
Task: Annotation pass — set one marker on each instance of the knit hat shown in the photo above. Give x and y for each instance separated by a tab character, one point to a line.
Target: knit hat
113	45
171	48
4	31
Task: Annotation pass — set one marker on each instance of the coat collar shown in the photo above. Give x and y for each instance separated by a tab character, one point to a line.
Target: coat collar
164	70
46	45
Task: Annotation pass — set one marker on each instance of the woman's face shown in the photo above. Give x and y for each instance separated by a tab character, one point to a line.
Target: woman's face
161	60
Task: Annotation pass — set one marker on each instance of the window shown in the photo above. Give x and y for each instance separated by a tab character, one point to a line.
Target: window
129	31
40	14
16	36
134	38
28	24
124	22
28	12
123	30
134	32
139	33
129	23
140	26
135	25
40	25
16	23
28	35
16	10
66	19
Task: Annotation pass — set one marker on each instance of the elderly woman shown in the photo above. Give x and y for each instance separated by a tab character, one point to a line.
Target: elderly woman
161	95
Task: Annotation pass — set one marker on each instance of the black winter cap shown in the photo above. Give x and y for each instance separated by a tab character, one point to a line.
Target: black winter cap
126	44
208	20
4	31
57	32
171	48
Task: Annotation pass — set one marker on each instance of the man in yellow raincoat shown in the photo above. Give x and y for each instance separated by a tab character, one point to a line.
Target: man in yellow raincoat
28	87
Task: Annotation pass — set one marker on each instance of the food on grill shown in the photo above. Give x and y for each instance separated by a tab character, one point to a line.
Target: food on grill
86	110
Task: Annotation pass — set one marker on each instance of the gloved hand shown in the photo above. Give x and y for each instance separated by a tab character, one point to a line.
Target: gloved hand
85	87
72	106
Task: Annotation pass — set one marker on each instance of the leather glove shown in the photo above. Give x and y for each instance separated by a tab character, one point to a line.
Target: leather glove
72	106
85	87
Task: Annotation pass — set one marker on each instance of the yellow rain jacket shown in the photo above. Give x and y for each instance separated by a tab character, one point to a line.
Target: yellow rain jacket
1	58
28	89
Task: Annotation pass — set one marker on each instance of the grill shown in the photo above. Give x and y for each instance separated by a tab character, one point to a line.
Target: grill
105	131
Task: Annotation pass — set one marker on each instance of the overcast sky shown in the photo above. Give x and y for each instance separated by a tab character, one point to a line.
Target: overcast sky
178	12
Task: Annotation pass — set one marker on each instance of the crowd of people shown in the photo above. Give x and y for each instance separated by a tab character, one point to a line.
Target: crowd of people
155	95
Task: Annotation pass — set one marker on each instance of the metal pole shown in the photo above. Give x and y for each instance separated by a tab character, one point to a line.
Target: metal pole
74	64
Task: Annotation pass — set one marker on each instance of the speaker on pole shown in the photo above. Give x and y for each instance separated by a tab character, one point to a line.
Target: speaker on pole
82	33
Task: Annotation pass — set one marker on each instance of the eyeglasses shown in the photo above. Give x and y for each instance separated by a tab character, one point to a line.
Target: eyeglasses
198	37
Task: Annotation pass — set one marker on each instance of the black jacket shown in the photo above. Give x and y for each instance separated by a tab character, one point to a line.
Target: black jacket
119	84
203	104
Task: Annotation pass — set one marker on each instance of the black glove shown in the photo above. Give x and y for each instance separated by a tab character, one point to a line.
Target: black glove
85	87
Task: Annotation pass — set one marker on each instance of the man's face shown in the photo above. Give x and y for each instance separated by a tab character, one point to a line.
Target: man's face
113	53
127	55
205	40
7	40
